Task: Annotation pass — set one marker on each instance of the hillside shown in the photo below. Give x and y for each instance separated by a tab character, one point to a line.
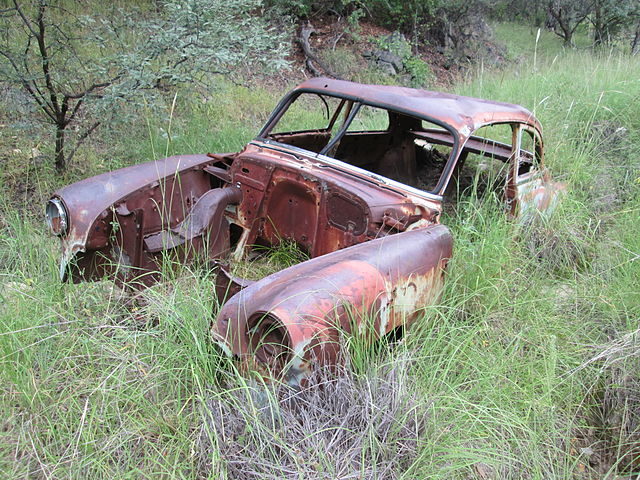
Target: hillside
529	366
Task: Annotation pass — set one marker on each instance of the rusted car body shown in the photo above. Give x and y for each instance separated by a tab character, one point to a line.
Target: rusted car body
357	176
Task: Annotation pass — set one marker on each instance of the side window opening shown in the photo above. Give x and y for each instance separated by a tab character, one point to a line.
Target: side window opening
310	121
528	152
484	162
432	154
365	139
401	147
370	119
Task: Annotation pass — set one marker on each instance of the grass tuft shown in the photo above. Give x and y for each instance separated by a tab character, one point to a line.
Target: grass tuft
343	425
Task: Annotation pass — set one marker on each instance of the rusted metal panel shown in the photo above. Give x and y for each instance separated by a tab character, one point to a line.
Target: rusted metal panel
227	284
464	114
88	198
382	284
112	216
377	250
302	200
535	196
206	216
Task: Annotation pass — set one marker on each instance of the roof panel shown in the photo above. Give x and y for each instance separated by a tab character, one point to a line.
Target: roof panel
455	110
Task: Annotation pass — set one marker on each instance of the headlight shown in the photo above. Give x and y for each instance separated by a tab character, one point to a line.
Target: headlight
57	217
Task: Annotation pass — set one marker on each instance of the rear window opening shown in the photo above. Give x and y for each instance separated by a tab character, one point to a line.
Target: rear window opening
483	165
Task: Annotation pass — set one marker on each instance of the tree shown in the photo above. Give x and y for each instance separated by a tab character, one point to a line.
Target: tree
77	67
635	42
610	17
567	16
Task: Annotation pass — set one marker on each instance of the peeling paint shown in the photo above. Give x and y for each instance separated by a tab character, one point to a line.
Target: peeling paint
376	246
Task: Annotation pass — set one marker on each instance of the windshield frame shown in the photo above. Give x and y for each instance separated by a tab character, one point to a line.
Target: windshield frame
358	102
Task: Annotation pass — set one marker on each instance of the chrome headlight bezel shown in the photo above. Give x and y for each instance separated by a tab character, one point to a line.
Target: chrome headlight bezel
57	217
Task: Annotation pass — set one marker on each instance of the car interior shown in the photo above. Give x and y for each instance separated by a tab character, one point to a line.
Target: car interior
398	146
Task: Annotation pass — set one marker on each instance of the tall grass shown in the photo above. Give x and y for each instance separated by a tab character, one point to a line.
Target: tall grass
525	369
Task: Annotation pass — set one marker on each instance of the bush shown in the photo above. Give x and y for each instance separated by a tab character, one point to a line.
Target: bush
421	74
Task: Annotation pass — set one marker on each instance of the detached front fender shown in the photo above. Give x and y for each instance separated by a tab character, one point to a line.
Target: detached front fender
291	320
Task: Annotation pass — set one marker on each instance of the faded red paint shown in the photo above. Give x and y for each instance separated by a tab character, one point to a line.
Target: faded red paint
377	250
378	285
464	114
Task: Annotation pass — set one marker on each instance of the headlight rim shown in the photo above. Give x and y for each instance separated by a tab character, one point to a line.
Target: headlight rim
55	209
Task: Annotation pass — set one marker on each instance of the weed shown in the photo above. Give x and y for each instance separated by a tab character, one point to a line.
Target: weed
264	261
527	368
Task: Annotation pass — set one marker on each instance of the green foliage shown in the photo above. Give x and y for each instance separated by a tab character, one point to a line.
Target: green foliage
567	15
529	361
211	35
353	10
395	43
343	61
521	41
437	22
419	70
81	69
270	260
607	20
610	17
525	11
404	15
353	20
297	8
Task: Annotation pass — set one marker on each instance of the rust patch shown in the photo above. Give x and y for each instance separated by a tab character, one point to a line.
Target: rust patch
383	283
347	197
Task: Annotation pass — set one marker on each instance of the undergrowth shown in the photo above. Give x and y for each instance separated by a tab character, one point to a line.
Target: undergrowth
527	367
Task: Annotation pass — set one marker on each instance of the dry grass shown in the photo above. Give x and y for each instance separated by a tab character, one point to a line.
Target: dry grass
617	412
343	426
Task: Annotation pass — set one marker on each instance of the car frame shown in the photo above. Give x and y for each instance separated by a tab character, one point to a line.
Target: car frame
349	198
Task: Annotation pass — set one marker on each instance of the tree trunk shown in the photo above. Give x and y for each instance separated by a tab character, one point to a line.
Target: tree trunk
59	155
598	26
567	33
568	38
311	58
635	44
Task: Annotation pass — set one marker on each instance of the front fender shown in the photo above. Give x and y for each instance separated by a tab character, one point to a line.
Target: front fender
379	285
110	214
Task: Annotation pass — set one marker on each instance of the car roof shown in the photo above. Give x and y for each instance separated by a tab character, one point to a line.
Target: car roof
465	114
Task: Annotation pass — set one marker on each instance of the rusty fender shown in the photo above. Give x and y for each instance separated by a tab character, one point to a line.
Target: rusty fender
156	205
292	320
542	198
87	199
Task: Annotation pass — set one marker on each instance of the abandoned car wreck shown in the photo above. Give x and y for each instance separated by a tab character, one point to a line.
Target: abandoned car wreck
356	176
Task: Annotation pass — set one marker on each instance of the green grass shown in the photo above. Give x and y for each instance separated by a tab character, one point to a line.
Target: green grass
520	41
96	384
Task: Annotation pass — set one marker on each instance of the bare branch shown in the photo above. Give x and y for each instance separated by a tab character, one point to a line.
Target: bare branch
29	88
91	89
81	140
29	76
76	107
42	47
25	19
305	34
